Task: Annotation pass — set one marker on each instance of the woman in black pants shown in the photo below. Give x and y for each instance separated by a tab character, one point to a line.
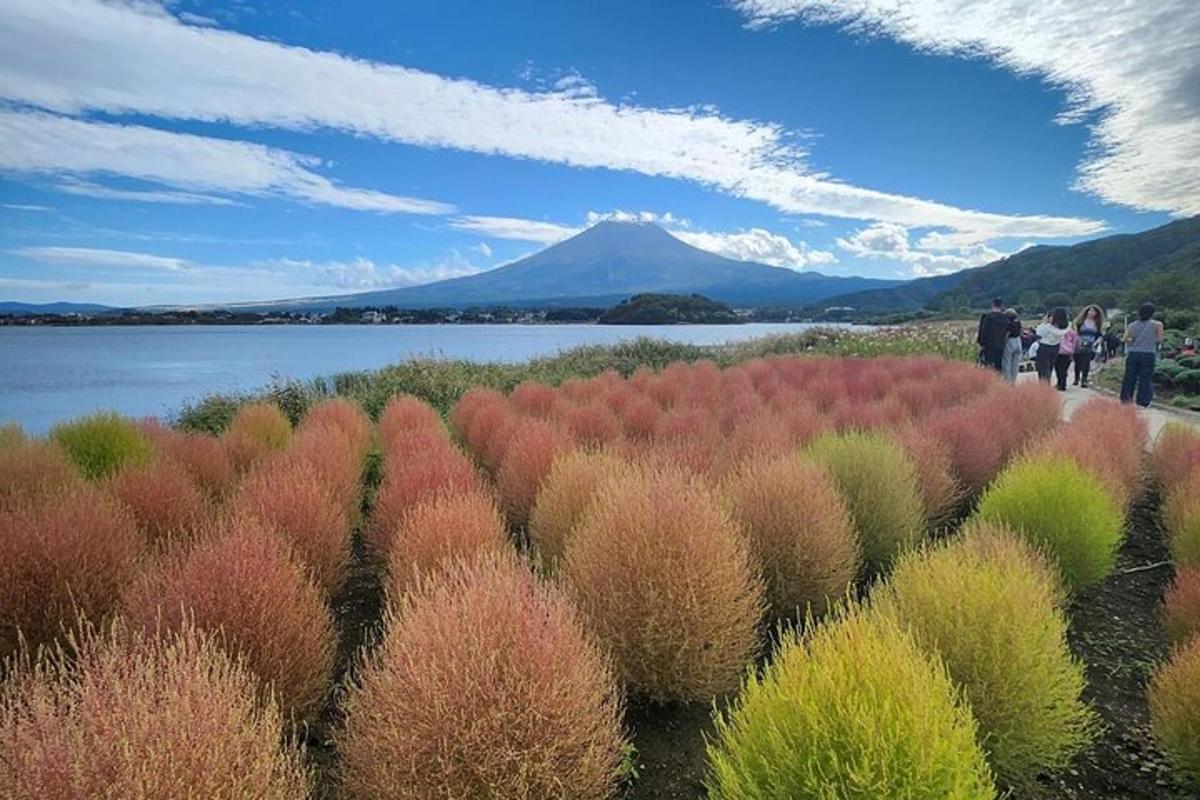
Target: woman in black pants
1049	334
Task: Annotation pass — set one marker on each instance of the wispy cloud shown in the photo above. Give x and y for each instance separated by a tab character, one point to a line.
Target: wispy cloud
1135	64
362	274
25	207
40	143
514	228
95	257
73	56
89	189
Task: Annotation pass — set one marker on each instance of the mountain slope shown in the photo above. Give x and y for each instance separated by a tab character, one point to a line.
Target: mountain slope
608	263
13	307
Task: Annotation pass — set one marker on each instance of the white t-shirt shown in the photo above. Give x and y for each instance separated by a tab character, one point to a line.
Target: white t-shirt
1050	335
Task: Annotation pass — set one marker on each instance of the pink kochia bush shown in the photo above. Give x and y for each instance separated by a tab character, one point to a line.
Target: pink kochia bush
527	462
484	685
133	716
1176	455
164	500
66	557
436	468
288	497
1181	606
242	584
405	414
663	575
439	531
345	416
31	471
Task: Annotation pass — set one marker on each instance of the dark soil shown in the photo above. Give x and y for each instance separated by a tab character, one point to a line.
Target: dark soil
1115	630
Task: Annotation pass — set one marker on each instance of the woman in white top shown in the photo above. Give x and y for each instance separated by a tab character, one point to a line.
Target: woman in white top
1049	334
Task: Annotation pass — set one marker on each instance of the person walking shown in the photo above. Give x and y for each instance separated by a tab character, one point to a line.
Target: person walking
1049	334
1142	340
1089	325
1010	362
1066	354
993	335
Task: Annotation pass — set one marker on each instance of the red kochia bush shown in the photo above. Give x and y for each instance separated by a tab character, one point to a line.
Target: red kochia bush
206	458
347	417
406	414
592	424
800	532
437	469
244	585
1176	455
332	456
287	496
533	398
1181	606
31	471
527	461
164	499
440	530
170	718
483	686
940	491
663	575
70	554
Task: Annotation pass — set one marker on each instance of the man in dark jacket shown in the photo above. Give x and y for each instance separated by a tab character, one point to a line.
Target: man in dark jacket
993	333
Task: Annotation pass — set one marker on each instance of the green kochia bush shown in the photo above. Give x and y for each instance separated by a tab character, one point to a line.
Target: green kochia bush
855	711
102	443
1175	709
1052	502
989	606
879	485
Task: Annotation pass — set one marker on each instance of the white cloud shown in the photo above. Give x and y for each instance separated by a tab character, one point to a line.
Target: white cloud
515	228
1136	64
668	219
39	143
484	249
72	56
884	240
25	207
89	189
363	274
94	257
759	245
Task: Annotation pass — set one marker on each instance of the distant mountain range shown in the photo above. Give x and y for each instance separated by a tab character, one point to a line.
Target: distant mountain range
1110	263
53	308
602	266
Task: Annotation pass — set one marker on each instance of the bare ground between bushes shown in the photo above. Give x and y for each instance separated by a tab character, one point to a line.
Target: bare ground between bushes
1115	629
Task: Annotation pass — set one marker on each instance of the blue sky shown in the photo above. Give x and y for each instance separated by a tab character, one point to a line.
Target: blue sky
190	152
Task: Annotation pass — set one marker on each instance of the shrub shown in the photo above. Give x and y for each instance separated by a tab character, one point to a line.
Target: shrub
574	479
1056	505
169	719
11	436
332	456
439	530
1181	513
405	414
100	444
165	501
940	491
1176	454
879	486
1175	709
67	556
262	423
287	497
437	470
206	458
854	710
32	471
1119	432
799	530
483	686
527	461
661	573
989	606
345	416
1181	606
1081	446
592	424
244	586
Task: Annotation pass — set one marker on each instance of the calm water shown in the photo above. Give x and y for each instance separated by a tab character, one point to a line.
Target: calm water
51	374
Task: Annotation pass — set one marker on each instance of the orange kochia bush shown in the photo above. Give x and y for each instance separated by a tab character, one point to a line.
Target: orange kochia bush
345	416
164	499
69	555
1181	606
1176	455
135	716
484	685
663	575
435	468
799	530
527	460
243	584
573	481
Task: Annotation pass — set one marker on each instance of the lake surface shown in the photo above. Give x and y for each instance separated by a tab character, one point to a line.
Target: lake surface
49	374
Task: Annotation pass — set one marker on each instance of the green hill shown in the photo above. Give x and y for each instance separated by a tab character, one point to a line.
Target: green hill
669	309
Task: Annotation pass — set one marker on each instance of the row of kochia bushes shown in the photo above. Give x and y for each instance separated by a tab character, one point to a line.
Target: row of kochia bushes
665	544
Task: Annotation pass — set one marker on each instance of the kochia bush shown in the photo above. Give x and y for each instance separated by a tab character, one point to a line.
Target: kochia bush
345	416
855	710
438	531
101	443
1175	709
262	423
527	461
1181	514
484	686
170	718
574	479
67	556
799	529
439	468
32	471
1176	454
243	585
879	485
661	573
164	500
1059	507
1181	606
990	607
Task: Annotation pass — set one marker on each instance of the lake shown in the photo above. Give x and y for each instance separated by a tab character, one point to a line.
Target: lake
48	374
